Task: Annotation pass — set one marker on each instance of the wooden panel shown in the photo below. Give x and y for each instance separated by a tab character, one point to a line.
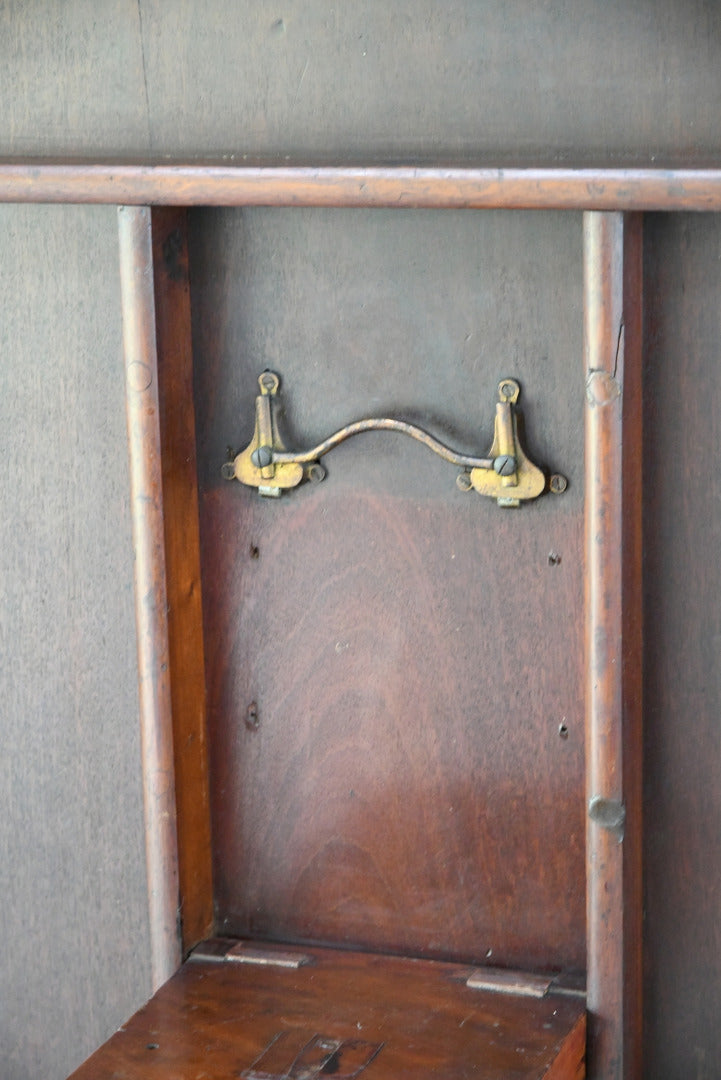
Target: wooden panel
683	637
181	79
404	1018
610	81
73	921
412	651
182	554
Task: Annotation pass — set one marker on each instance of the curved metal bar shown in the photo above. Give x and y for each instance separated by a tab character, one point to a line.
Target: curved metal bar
304	457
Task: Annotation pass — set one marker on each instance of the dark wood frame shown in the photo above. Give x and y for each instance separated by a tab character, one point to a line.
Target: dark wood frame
156	323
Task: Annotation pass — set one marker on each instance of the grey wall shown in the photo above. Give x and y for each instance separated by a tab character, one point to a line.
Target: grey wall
377	78
73	917
536	77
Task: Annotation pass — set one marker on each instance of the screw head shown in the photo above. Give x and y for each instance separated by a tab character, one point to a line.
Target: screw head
464	482
558	484
505	464
316	473
269	381
261	457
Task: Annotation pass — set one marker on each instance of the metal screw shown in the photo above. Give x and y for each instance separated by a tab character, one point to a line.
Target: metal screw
261	457
252	720
316	473
464	482
507	389
505	464
268	380
563	730
558	484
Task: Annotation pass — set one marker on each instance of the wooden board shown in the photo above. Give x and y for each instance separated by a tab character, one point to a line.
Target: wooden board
682	493
605	83
392	1018
412	651
73	876
545	81
182	558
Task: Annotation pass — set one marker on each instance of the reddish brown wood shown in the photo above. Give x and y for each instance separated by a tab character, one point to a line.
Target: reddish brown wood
407	186
633	615
182	554
612	287
412	651
392	792
138	311
216	1019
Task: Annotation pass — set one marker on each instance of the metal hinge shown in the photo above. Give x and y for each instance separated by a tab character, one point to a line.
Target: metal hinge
525	983
231	951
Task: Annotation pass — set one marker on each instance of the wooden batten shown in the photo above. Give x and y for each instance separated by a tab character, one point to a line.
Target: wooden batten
632	584
470	186
612	303
141	381
182	556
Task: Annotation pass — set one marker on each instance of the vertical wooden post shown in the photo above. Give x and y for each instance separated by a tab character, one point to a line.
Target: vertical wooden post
182	556
141	382
612	307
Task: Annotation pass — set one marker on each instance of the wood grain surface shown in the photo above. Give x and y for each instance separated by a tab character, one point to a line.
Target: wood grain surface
73	920
498	185
137	295
182	556
406	1018
682	636
633	644
613	459
551	83
413	652
608	82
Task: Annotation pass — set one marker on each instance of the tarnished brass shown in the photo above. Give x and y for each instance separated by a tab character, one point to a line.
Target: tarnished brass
257	466
506	475
526	480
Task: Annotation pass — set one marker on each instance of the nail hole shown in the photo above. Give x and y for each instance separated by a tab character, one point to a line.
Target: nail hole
153	1046
553	559
563	730
252	719
254	551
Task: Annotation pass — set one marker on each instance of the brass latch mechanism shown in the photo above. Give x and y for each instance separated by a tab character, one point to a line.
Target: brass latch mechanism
506	474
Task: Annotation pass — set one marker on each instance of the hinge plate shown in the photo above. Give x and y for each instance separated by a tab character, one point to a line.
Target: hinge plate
228	950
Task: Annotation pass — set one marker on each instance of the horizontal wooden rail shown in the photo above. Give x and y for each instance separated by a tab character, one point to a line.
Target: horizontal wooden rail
293	185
